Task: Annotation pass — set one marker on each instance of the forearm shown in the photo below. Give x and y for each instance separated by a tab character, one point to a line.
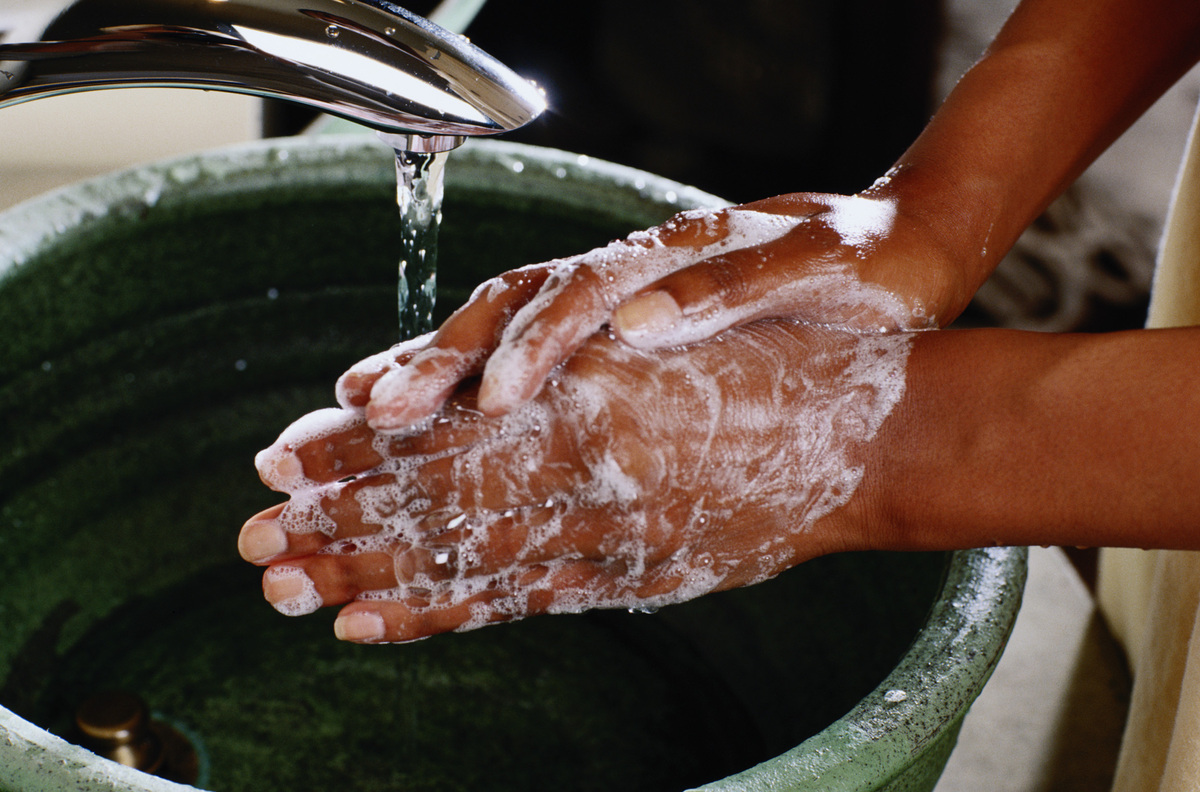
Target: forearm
1018	438
1058	85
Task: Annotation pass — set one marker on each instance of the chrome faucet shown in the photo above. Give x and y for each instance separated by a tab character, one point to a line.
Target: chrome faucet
368	61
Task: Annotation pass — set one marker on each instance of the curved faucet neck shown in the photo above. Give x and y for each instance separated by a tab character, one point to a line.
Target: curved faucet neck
365	60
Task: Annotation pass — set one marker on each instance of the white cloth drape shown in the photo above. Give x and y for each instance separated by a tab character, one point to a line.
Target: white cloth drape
1151	599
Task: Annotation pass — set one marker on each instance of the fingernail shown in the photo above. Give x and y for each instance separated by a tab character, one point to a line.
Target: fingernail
261	540
279	467
353	390
359	626
652	312
291	591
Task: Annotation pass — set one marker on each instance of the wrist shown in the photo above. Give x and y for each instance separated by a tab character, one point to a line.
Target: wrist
927	472
938	253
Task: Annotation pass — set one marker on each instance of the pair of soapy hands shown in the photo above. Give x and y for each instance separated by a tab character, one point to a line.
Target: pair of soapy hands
683	411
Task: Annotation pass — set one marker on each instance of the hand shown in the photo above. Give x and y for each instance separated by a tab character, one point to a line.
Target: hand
634	479
853	262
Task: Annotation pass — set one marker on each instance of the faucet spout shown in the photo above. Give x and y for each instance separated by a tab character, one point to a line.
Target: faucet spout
369	61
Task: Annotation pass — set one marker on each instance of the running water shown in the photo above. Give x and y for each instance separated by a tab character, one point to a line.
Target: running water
419	187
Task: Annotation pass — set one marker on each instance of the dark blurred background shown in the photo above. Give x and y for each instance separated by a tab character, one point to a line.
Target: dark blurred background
743	100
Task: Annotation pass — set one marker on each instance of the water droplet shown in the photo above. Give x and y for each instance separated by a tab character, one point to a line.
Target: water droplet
272	293
390	31
333	31
517	167
47	365
560	172
240	365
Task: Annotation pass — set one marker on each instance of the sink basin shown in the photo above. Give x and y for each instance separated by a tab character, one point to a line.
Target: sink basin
161	325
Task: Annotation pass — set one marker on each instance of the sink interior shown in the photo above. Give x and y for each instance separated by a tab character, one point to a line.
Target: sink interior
153	349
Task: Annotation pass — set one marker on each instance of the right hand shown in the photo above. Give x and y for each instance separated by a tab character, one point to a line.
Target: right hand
852	262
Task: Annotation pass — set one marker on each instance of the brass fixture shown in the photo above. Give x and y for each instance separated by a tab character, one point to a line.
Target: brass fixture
117	725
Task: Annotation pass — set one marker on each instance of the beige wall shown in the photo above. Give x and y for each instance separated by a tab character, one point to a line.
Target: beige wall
55	141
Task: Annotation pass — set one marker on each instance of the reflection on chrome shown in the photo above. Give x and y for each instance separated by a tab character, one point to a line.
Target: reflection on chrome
365	60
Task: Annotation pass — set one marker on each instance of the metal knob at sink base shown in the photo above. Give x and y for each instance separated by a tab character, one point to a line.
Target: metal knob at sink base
117	725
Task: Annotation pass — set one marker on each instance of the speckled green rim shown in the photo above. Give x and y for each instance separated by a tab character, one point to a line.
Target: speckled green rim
899	736
895	738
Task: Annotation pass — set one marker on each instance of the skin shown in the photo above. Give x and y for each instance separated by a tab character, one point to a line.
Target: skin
1057	86
1000	438
1014	438
635	480
949	468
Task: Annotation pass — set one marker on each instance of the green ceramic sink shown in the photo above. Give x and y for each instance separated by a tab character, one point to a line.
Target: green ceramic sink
161	325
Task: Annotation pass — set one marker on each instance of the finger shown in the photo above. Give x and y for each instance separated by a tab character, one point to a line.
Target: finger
408	618
457	428
572	305
483	543
353	388
302	586
380	504
398	621
323	446
697	228
263	539
580	298
802	274
405	395
313	519
495	476
804	260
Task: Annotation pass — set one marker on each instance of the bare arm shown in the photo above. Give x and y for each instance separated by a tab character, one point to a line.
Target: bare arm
1016	438
1059	84
644	478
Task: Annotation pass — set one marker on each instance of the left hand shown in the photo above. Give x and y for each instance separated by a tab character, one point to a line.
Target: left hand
634	479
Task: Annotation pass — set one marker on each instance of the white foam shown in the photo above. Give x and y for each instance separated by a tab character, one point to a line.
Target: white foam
304	513
625	266
280	467
378	363
862	222
752	438
308	600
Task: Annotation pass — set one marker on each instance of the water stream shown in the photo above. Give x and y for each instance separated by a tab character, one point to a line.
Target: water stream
419	187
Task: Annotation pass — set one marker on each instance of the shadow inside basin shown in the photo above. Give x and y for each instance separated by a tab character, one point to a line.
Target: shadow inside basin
152	350
604	701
